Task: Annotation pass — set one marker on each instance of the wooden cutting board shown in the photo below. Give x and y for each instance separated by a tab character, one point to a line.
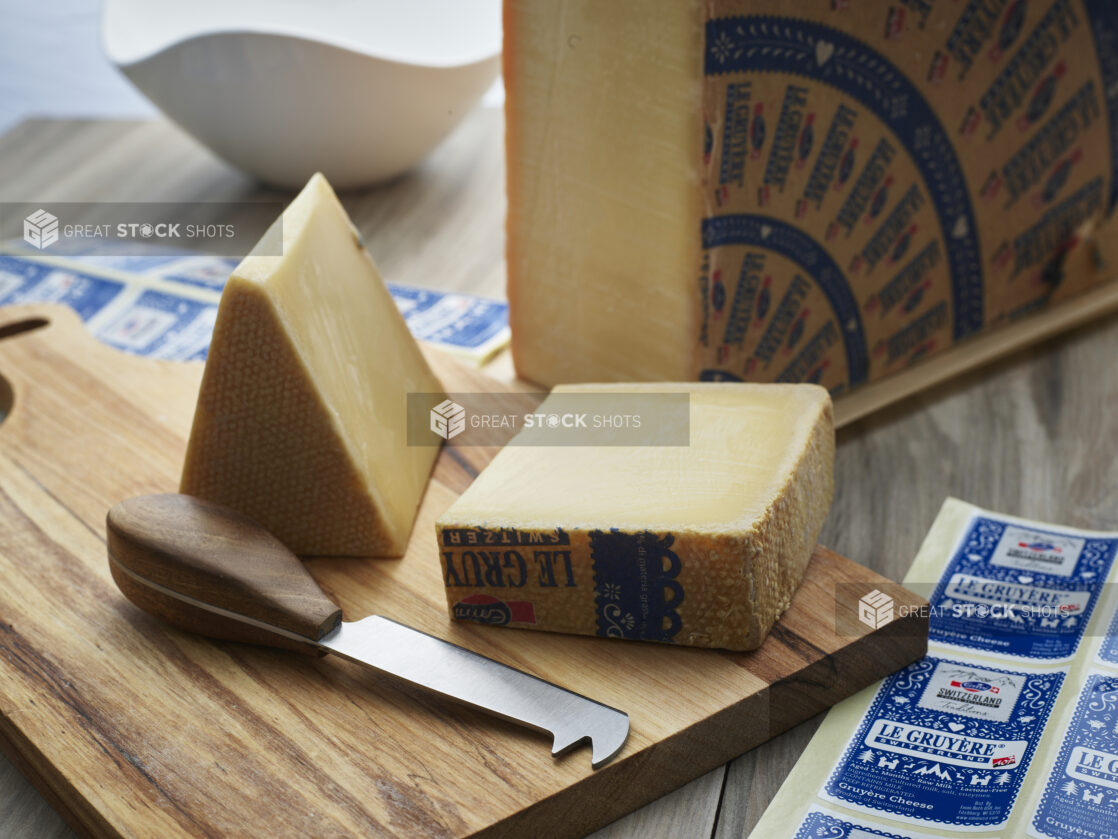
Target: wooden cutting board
132	728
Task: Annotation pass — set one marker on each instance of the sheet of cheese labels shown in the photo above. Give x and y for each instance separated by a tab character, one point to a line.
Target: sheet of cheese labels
164	305
1008	727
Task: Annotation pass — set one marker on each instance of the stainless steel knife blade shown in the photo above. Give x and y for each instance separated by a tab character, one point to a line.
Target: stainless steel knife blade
438	665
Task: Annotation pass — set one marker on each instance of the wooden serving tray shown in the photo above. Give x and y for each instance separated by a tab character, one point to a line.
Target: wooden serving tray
132	728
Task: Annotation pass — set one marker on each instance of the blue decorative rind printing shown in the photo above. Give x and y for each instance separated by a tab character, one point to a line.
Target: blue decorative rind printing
794	244
802	48
635	587
1104	27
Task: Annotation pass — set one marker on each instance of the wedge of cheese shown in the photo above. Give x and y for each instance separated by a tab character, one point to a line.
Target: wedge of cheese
702	544
301	419
796	190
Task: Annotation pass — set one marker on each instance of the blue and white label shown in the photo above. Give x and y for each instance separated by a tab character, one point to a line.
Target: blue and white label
1080	796
1020	591
1108	649
199	271
824	824
946	743
164	306
24	281
453	320
158	325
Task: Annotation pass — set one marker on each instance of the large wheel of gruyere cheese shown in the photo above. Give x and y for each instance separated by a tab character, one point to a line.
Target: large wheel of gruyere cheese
797	191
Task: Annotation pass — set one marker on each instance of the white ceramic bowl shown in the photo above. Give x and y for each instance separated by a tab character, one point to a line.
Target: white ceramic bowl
361	90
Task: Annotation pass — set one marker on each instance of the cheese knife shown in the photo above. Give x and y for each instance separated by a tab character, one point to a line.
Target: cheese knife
208	569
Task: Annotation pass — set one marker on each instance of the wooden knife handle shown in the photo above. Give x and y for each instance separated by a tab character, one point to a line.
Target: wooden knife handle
208	569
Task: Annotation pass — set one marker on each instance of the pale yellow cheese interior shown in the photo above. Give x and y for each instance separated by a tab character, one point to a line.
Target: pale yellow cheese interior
745	441
603	182
703	544
301	420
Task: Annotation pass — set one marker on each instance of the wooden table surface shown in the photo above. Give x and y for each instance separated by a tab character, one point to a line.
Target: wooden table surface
1035	434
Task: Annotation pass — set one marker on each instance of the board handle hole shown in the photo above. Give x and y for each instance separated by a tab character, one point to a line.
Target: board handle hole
6	399
10	330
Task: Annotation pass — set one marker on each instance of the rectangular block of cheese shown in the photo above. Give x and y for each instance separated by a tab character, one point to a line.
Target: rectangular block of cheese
301	419
795	190
702	544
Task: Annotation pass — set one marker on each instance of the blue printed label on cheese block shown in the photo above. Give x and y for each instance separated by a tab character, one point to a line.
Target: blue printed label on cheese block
1020	591
636	590
611	583
946	743
1080	796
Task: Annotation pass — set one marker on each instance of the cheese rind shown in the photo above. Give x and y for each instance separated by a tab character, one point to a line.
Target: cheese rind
702	545
301	418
